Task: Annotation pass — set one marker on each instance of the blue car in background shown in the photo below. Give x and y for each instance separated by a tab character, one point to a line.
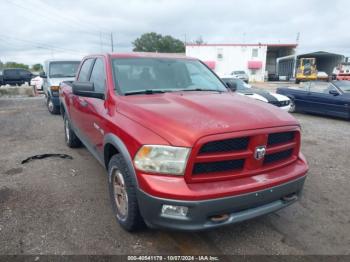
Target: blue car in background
326	98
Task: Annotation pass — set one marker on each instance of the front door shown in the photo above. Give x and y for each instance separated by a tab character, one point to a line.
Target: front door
80	107
93	122
326	99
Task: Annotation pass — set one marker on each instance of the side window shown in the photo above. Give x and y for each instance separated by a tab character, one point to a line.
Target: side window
85	69
255	52
220	54
98	76
322	87
330	88
24	73
197	77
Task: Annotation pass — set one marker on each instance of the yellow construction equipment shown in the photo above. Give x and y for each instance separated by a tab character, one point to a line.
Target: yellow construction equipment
306	70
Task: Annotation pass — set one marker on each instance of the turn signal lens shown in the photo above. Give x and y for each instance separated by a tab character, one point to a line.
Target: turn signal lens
55	88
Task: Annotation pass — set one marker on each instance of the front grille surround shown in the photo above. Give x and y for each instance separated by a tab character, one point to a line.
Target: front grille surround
210	164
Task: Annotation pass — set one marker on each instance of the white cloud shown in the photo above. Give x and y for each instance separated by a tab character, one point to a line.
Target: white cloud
32	31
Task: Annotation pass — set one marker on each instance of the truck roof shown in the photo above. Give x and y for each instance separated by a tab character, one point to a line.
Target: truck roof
61	60
147	55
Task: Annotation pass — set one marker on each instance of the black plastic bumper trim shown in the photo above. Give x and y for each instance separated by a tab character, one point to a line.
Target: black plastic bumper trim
239	207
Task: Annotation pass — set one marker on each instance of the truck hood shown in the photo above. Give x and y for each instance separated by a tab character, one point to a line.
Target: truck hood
183	117
57	81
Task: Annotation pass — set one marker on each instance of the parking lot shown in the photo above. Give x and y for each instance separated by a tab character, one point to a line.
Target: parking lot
61	206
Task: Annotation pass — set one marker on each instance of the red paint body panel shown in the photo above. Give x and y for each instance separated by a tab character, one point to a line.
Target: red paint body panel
184	117
177	188
189	119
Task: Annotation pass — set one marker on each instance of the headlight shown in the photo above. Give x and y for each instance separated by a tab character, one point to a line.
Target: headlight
285	103
162	159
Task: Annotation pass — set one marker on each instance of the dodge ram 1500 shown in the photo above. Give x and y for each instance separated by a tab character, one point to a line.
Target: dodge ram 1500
181	150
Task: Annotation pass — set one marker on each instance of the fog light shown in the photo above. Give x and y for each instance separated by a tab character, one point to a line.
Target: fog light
177	211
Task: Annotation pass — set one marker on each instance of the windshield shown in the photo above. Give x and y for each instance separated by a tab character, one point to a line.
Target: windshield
63	69
151	75
344	86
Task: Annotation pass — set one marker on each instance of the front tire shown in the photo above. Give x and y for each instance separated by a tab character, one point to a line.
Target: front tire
123	195
55	110
71	138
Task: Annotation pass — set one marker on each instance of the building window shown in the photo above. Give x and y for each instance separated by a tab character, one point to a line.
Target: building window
220	54
255	52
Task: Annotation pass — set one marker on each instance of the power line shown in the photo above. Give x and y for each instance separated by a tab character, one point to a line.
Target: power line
49	8
40	45
48	13
51	19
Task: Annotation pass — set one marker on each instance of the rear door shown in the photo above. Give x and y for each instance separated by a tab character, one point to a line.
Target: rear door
25	75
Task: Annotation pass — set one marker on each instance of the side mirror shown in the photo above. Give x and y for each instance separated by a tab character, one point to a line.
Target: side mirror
333	92
42	74
86	89
232	86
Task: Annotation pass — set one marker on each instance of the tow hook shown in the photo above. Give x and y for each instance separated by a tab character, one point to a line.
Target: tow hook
219	218
290	197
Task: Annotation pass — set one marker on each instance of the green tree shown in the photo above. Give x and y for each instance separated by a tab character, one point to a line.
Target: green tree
37	67
15	65
1	65
153	42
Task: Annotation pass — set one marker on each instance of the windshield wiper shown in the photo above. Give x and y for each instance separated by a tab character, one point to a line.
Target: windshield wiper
61	75
201	89
145	92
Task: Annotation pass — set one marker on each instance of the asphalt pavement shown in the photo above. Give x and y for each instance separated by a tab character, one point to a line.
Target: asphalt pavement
61	206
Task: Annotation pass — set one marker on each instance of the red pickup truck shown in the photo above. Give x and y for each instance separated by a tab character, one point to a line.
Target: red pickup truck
181	150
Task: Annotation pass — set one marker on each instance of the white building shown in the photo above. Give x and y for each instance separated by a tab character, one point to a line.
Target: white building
257	60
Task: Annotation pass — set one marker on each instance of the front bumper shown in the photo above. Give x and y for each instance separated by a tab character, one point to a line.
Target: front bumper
285	108
307	78
236	208
343	77
55	100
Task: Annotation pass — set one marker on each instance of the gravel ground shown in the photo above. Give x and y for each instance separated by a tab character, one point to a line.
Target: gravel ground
61	206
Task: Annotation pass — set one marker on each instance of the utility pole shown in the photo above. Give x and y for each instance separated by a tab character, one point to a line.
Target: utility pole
296	56
112	48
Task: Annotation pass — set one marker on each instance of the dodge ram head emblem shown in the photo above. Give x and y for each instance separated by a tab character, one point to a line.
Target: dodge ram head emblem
260	152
